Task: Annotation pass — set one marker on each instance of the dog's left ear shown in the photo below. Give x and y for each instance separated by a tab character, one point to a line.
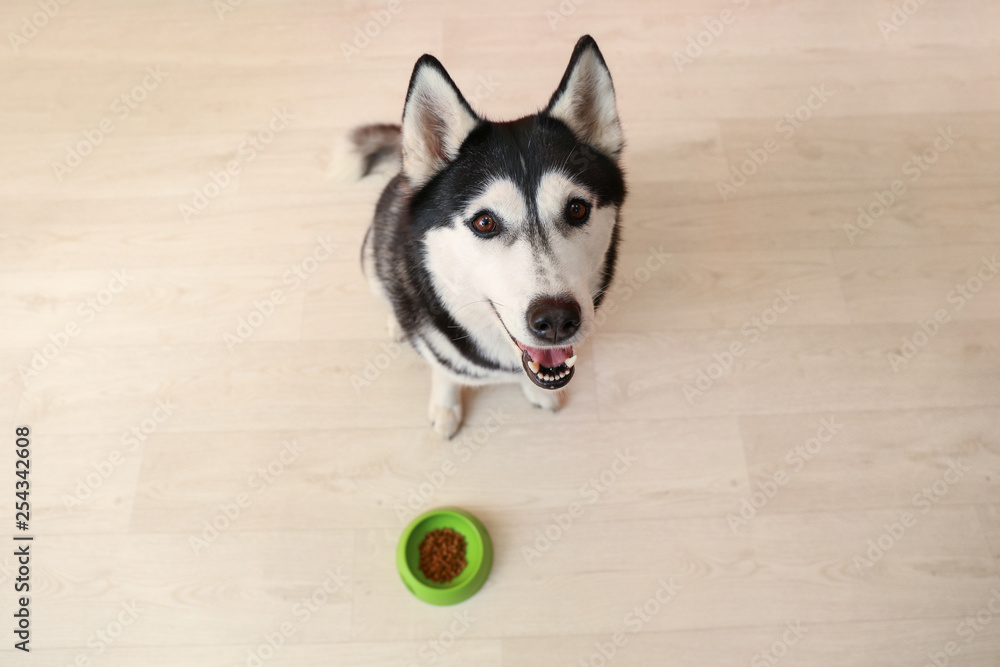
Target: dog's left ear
585	99
436	120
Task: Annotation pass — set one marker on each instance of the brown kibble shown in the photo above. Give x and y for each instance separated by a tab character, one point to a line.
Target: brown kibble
442	555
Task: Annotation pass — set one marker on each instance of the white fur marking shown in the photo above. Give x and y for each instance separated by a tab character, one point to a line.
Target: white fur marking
503	198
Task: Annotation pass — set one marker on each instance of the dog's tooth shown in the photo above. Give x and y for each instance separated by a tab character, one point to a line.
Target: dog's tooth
569	362
534	366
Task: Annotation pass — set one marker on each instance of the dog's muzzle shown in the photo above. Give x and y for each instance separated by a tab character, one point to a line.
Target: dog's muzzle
548	367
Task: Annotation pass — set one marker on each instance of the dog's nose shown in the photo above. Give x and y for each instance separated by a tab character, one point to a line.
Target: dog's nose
554	319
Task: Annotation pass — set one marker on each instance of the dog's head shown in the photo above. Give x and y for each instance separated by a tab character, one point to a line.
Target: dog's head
519	219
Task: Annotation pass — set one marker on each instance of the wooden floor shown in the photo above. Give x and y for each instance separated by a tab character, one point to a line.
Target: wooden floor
800	381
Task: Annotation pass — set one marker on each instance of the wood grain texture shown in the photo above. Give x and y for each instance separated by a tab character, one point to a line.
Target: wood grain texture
227	446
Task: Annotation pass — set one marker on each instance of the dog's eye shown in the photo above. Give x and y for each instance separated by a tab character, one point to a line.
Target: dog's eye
484	224
577	211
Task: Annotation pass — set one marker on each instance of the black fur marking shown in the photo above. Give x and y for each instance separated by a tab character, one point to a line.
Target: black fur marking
400	267
403	219
444	361
495	149
381	155
522	151
376	143
427	60
610	261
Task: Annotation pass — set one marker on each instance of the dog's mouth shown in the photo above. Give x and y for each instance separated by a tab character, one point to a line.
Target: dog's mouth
548	367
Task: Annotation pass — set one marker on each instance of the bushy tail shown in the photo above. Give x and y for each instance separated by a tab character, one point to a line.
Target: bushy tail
365	150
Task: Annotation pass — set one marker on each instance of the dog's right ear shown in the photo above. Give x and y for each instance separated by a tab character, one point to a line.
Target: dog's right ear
436	120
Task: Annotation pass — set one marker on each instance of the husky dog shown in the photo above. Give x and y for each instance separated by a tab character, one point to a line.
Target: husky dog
496	242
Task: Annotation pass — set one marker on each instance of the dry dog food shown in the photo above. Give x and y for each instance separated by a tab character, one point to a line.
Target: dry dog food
442	555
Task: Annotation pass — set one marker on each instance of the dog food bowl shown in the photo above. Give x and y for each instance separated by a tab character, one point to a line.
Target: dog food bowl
478	556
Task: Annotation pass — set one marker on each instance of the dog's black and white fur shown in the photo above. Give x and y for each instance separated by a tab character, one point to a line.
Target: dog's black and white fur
497	240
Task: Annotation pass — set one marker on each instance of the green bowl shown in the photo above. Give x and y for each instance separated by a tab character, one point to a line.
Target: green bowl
478	556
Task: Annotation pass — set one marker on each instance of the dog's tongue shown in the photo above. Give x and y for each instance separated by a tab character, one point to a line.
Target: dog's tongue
550	357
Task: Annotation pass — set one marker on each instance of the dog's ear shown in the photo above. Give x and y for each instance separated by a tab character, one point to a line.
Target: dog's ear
585	99
436	120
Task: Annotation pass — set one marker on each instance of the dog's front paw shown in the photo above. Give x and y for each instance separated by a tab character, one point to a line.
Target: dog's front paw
446	419
544	398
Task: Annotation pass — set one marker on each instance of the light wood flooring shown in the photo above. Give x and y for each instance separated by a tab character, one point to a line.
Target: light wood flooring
826	429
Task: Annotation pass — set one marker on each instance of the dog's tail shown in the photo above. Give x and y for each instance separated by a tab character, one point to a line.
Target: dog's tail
365	150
